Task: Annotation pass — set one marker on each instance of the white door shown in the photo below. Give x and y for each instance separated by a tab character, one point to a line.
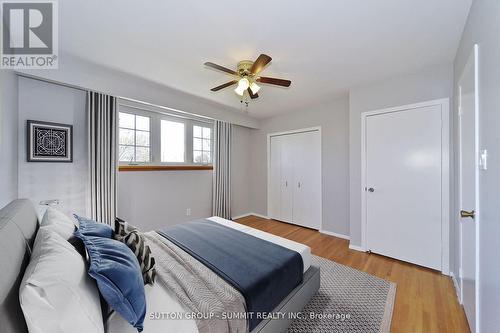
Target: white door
294	186
403	185
307	179
287	178
468	187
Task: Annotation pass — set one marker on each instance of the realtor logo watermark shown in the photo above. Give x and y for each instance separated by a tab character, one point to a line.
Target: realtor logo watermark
29	35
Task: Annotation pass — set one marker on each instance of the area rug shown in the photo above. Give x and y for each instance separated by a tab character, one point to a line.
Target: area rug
347	301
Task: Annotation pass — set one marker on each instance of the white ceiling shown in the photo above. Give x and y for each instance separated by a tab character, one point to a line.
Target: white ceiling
324	47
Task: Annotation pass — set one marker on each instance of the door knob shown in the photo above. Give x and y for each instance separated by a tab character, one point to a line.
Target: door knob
371	190
471	214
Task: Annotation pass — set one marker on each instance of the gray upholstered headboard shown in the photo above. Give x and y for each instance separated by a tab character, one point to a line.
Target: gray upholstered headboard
18	227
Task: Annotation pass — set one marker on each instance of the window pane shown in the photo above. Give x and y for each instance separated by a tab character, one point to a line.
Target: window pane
126	137
142	138
197	156
197	131
142	123
206	132
196	144
206	145
126	154
126	120
209	157
141	154
172	141
205	157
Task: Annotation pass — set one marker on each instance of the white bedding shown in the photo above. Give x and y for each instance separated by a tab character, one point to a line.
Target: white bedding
160	300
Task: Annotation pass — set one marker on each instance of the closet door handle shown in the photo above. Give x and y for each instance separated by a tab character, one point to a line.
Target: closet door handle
286	183
299	184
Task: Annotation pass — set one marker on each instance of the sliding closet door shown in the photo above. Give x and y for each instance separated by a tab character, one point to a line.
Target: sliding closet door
307	179
287	177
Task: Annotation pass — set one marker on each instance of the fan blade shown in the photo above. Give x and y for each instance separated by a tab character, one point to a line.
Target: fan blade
272	80
225	85
252	95
221	68
260	63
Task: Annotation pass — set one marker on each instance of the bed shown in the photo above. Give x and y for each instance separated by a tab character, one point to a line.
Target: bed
18	228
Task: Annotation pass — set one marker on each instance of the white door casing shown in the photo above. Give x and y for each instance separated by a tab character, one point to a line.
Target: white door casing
405	160
469	188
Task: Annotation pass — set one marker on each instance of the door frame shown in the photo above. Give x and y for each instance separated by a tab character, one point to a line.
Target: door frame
444	103
296	131
477	219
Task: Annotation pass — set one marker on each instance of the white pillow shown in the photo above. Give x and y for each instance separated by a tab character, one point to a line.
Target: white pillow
56	294
58	222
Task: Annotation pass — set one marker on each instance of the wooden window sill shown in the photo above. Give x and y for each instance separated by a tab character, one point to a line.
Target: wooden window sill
164	167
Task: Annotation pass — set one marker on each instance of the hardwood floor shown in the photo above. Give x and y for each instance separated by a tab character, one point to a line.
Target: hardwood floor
425	299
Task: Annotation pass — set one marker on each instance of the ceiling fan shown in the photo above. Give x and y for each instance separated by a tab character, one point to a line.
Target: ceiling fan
246	76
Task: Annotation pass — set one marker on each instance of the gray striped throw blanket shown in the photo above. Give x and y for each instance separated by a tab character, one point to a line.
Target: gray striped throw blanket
197	287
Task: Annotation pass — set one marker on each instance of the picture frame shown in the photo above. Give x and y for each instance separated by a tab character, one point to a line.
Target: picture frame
49	142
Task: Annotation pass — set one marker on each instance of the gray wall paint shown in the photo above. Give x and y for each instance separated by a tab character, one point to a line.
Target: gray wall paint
482	28
434	83
91	76
8	136
154	199
333	118
65	181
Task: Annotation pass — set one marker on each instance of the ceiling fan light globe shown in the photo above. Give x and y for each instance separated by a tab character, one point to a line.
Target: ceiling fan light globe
239	91
243	83
254	87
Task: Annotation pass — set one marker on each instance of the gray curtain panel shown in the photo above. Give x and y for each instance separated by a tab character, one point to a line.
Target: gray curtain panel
102	143
222	170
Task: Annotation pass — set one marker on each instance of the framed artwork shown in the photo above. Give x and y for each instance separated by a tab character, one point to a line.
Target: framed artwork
49	142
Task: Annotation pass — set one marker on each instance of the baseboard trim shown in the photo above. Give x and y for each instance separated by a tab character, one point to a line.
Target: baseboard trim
457	287
334	234
249	214
356	248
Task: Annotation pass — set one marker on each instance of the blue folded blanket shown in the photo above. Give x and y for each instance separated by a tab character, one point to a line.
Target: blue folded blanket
263	272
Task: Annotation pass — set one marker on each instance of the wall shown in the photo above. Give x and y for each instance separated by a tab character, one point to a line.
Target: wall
482	28
75	71
434	83
156	199
66	181
8	136
332	116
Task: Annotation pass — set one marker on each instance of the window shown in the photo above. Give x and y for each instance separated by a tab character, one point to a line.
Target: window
157	139
172	141
202	144
134	138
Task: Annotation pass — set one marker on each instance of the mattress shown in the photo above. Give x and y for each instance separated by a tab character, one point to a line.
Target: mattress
161	303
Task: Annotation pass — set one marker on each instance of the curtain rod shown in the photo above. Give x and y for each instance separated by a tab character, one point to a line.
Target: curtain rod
67	85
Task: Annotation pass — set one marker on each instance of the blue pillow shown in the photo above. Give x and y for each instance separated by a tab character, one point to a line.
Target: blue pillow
92	228
118	274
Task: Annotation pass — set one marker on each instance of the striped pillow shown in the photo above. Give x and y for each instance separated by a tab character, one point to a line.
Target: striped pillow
134	239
